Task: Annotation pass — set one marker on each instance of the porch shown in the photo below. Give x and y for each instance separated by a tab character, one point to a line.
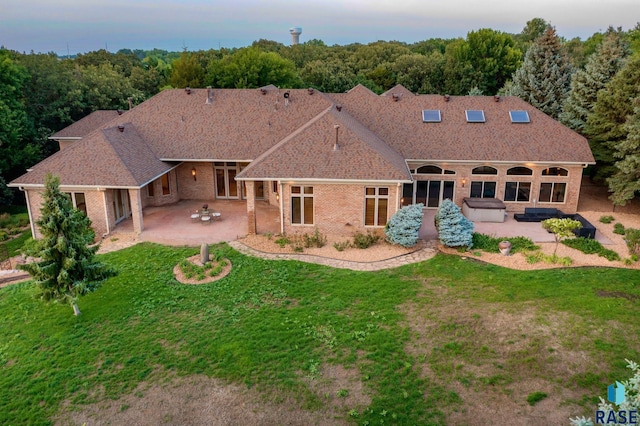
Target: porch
172	224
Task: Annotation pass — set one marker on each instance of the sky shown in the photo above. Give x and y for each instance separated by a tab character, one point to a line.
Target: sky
77	26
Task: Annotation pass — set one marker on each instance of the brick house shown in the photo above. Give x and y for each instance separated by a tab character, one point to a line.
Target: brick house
339	162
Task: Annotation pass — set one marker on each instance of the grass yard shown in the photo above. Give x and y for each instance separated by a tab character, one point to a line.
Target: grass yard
447	341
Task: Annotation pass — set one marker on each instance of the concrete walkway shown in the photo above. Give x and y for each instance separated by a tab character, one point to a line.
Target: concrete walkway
414	257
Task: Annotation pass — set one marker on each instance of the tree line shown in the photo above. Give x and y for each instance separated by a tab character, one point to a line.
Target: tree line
592	86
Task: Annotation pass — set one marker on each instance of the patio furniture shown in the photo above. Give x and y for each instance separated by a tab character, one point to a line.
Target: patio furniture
484	209
216	216
586	231
537	214
195	216
205	219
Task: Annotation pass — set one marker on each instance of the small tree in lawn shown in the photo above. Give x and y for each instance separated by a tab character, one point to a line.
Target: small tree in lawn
454	229
404	225
65	266
561	229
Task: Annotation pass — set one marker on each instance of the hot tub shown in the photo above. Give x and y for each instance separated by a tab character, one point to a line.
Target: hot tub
484	209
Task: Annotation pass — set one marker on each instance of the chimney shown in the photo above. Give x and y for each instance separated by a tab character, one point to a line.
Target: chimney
130	102
286	95
335	146
121	128
209	95
447	98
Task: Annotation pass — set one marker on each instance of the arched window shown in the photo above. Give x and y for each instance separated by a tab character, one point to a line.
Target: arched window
519	171
433	170
555	171
484	170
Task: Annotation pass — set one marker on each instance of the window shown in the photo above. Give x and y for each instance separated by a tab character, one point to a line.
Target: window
166	190
517	191
407	194
483	189
433	170
552	192
555	171
431	116
519	171
518	116
475	116
274	187
151	190
484	170
302	205
375	209
78	201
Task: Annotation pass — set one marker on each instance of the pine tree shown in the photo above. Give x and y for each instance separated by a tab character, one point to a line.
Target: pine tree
601	66
404	226
544	78
606	125
625	182
454	229
66	267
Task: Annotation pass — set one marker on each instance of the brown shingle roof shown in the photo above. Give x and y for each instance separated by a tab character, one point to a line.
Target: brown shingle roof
309	153
86	125
106	157
400	125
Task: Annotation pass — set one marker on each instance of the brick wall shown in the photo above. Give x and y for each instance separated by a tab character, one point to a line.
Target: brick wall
158	198
338	208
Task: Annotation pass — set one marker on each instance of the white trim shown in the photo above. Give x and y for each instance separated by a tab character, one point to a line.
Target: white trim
281	207
31	221
303	181
106	211
203	160
514	162
65	138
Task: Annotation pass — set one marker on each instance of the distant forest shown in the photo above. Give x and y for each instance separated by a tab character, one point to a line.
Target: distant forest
592	86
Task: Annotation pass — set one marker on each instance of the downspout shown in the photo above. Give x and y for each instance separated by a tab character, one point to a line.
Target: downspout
31	221
106	212
398	189
281	208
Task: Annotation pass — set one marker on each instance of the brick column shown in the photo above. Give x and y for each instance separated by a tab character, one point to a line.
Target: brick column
136	210
251	206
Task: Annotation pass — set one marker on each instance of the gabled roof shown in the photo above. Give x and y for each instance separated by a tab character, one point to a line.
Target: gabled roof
86	125
454	139
104	158
319	150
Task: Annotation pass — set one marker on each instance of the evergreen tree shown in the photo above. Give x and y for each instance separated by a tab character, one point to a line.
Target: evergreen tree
544	78
404	226
454	229
585	84
625	182
606	125
66	267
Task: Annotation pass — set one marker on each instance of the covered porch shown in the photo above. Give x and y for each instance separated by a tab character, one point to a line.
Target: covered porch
172	224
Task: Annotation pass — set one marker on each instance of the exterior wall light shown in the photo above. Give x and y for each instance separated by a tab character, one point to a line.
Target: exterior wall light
193	173
464	182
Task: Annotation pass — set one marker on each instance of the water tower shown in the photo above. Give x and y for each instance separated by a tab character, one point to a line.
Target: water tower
295	35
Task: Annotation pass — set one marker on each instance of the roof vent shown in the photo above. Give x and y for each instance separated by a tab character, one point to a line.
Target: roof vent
447	98
120	112
121	128
263	91
310	90
395	97
188	90
339	108
496	98
209	100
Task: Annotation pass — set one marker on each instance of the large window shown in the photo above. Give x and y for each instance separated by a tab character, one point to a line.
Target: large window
519	171
483	189
517	191
552	192
484	170
375	210
78	201
555	171
302	205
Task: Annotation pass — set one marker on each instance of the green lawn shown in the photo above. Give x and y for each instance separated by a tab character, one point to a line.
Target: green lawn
423	339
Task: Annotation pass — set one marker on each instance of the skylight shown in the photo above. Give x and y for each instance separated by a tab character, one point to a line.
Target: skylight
431	116
519	116
475	115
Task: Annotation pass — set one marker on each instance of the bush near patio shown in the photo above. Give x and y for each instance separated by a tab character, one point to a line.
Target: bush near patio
424	342
404	225
454	229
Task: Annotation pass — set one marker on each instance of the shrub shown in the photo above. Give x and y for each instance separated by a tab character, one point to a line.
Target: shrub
3	236
317	239
606	219
589	246
282	241
561	228
342	245
454	229
618	228
363	241
404	225
632	238
490	244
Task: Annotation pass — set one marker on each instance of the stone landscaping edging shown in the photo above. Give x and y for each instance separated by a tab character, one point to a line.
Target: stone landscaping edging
394	262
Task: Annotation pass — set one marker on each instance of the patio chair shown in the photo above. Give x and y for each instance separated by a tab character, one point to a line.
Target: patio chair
216	216
205	219
195	216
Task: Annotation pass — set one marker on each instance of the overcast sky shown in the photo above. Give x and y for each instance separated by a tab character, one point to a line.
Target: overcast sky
77	26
